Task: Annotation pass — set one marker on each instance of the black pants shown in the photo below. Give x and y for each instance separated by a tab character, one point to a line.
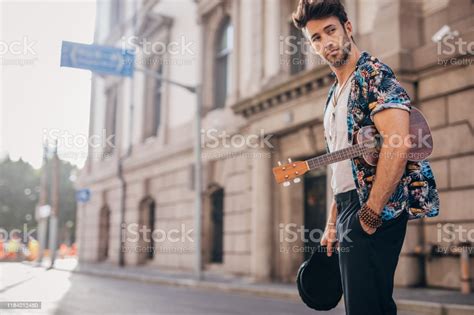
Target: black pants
367	262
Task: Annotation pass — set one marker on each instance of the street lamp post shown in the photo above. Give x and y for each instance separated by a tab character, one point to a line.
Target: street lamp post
53	219
197	91
198	184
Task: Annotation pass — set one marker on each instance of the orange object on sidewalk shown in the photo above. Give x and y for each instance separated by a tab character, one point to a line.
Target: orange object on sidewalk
63	250
73	250
33	247
2	251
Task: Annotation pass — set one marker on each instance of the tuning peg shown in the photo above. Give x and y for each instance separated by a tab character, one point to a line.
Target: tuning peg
289	160
286	184
279	163
297	180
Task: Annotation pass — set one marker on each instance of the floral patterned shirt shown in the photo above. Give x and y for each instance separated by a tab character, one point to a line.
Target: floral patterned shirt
374	88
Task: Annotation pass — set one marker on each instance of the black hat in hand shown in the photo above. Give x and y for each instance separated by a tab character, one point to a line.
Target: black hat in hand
319	280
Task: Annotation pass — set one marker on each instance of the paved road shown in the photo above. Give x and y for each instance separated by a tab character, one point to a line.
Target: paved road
62	292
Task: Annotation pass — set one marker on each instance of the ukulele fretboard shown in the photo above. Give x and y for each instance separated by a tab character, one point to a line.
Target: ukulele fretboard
341	155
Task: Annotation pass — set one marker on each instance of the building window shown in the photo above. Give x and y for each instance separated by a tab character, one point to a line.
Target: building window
115	12
111	119
217	219
223	70
146	222
104	233
153	106
297	57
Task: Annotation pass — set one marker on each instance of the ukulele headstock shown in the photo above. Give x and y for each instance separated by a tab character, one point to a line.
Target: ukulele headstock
284	173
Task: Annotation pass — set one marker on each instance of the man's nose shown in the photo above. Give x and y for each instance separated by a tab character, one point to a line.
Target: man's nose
329	45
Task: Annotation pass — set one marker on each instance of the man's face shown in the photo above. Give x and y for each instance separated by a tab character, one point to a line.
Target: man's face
330	39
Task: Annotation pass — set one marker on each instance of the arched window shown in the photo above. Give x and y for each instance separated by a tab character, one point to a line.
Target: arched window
223	69
104	233
217	220
146	221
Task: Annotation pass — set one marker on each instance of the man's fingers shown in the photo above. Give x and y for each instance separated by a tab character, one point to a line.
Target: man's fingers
324	241
330	241
367	229
329	248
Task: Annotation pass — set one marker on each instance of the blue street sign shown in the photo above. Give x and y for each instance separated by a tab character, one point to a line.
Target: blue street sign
83	195
100	59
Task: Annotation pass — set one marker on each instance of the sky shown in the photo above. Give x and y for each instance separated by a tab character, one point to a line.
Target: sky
39	99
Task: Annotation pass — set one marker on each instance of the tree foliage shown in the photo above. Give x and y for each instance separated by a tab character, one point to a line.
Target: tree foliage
19	195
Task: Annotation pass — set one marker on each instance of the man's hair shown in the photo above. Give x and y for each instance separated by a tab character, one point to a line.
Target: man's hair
308	10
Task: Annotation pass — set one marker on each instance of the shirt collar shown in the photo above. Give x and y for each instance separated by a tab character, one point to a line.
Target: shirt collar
363	59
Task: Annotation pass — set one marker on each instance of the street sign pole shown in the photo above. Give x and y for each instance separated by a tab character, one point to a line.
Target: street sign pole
42	227
127	154
198	185
197	90
43	200
53	220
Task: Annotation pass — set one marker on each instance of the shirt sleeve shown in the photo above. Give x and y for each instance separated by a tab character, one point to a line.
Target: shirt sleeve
386	92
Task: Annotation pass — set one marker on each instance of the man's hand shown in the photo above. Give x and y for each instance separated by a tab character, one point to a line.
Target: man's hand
367	229
329	238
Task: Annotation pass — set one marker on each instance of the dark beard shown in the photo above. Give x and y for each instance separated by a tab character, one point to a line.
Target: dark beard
346	50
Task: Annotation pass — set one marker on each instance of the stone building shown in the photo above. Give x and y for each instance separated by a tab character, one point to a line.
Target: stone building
263	93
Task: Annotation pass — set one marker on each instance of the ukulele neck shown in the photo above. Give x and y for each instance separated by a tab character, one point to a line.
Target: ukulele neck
341	155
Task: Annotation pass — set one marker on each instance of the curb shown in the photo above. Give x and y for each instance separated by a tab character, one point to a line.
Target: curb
455	309
420	307
433	308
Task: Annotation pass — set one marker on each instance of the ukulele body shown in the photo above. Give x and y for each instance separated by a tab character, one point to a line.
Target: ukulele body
420	140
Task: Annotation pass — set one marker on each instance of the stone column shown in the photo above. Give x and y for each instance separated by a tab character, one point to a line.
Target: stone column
271	47
261	245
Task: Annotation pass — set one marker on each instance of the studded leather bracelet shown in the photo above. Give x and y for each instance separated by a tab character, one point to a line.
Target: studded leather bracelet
370	218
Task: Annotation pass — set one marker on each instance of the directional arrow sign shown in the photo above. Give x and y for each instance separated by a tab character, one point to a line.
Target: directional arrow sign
100	59
83	195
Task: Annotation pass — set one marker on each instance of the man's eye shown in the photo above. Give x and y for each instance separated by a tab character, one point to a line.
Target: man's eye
331	30
316	39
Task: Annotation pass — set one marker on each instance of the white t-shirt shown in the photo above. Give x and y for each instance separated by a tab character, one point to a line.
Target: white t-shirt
335	129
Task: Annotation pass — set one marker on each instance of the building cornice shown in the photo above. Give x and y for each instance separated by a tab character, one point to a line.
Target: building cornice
295	87
204	7
153	23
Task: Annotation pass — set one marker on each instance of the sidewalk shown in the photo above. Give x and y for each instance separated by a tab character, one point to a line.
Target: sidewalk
410	301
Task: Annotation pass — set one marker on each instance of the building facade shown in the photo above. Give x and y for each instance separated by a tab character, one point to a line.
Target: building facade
263	94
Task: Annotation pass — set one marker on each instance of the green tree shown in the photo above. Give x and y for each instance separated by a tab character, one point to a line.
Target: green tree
19	195
19	191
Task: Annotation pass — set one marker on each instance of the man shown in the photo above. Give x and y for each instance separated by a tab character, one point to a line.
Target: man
372	205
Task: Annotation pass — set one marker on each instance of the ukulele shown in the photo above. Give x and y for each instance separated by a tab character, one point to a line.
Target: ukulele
367	143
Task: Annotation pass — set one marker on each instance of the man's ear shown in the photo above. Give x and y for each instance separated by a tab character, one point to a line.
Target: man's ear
348	27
